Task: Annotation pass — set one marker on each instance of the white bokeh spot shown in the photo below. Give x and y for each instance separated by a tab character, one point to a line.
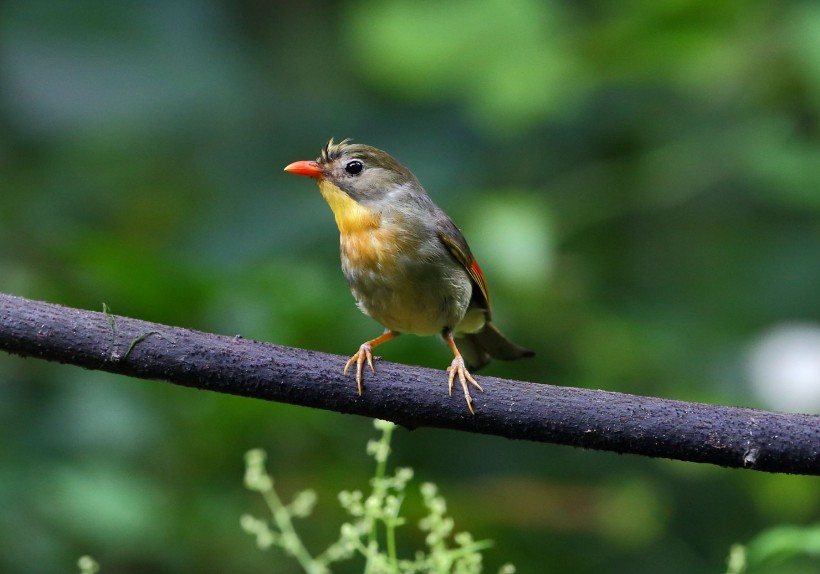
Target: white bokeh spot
784	367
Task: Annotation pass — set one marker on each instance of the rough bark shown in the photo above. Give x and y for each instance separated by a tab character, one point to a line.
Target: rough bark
413	396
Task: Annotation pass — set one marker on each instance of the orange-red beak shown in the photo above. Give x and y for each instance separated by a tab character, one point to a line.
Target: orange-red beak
308	168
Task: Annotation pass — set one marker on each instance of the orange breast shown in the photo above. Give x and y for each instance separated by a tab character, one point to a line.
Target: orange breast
367	242
375	249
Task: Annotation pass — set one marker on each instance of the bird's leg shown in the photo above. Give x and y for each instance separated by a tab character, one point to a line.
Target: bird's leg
457	367
365	354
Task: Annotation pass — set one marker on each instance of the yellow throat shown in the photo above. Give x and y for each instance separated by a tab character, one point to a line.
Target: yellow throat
351	217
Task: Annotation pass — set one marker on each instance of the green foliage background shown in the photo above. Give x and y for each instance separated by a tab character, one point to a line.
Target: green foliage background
639	180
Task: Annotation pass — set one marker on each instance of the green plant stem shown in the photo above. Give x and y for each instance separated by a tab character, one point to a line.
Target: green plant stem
378	483
391	545
283	522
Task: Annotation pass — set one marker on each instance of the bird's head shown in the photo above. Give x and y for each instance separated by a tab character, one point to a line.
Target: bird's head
364	173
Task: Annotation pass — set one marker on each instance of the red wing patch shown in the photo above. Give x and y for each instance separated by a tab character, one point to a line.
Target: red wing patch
477	276
469	263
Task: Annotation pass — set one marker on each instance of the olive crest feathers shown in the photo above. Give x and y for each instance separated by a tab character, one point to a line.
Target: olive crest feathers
332	151
371	157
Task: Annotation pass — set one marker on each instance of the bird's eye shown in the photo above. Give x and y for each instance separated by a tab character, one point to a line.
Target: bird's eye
354	167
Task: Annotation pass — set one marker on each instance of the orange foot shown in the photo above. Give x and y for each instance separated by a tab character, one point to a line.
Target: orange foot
365	353
457	368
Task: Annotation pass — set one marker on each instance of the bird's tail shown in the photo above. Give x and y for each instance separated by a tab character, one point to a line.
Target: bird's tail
489	343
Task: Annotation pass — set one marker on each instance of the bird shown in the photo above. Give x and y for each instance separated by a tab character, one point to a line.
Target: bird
408	265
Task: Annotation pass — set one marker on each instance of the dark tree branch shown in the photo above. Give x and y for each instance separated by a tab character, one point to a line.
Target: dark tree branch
412	396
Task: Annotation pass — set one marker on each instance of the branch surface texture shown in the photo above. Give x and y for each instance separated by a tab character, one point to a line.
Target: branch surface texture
413	396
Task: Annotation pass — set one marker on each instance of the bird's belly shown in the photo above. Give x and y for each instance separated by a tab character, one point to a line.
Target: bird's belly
406	308
403	289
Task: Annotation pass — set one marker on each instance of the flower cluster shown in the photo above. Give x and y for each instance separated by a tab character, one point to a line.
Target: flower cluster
374	520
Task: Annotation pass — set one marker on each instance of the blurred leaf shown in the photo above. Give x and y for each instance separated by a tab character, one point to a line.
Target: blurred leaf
508	61
778	545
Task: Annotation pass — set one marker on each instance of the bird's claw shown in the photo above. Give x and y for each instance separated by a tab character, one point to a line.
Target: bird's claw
457	367
365	353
